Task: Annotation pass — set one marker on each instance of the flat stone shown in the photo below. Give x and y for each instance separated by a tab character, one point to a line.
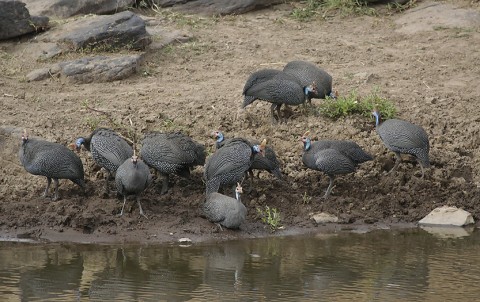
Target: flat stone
124	30
448	231
39	74
15	20
65	9
100	69
448	216
321	218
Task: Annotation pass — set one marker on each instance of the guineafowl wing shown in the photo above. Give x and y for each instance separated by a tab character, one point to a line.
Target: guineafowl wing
333	162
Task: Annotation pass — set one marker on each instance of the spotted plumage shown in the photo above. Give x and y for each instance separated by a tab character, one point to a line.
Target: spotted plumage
224	210
403	137
333	157
52	160
277	88
171	153
109	150
132	178
228	164
308	73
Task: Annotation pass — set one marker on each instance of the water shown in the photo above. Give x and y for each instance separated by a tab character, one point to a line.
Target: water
408	265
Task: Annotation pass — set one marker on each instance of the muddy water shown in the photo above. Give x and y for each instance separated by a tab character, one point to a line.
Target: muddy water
407	265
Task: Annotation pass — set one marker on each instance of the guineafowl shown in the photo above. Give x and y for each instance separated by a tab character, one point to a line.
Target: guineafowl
268	163
254	79
308	73
333	157
109	150
132	178
52	160
229	163
171	153
404	137
224	210
281	88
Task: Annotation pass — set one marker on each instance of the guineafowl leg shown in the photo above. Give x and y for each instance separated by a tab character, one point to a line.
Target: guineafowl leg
55	195
123	206
330	186
45	193
166	178
219	226
140	207
107	190
272	111
398	160
423	171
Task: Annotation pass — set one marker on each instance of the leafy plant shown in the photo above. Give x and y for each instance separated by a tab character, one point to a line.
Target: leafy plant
306	199
354	104
270	217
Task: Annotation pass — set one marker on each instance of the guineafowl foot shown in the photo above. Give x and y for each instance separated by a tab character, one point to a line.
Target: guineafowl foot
219	226
329	189
123	206
140	208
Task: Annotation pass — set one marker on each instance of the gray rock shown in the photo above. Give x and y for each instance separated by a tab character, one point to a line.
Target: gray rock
448	216
217	7
68	8
15	20
100	69
321	218
123	30
39	74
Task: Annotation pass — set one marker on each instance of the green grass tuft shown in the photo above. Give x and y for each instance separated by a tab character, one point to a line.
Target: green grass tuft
270	217
311	8
353	104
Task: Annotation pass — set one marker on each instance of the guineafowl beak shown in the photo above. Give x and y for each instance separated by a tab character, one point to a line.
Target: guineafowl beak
263	145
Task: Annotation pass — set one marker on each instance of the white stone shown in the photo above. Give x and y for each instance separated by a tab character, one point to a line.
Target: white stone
323	217
448	216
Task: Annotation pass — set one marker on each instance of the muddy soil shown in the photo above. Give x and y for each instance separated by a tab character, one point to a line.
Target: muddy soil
430	74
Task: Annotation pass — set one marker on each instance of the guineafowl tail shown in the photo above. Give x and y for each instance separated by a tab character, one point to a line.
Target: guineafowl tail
247	100
79	182
212	186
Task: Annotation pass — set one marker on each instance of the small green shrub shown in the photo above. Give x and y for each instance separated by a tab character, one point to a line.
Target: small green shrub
270	217
354	104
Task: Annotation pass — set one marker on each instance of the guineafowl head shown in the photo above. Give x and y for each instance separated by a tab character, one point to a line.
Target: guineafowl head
238	190
306	141
218	135
333	94
260	148
79	142
312	88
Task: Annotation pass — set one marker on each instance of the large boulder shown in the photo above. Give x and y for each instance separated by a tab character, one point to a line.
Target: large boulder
123	30
68	8
217	7
15	20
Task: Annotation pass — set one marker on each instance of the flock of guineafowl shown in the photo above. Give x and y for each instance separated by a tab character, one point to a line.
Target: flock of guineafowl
234	158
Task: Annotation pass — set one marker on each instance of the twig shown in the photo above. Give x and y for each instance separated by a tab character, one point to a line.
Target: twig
425	84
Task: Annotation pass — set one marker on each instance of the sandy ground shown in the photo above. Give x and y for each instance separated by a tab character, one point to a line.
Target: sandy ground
429	70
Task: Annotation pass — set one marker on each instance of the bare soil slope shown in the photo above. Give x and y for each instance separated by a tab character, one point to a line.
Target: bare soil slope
431	75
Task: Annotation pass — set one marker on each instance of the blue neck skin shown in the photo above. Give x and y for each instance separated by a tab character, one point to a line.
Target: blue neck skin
237	195
256	149
307	144
377	118
79	142
220	137
307	90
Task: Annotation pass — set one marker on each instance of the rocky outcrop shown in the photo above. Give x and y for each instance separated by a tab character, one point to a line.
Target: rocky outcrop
90	69
447	216
15	20
217	7
68	8
322	218
124	30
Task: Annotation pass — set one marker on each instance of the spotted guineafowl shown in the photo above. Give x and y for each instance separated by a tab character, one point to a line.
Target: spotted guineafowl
224	210
132	178
280	89
268	163
51	160
333	157
308	73
254	79
171	153
228	164
400	136
109	150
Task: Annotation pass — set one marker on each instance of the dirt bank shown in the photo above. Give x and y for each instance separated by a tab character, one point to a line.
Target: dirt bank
431	76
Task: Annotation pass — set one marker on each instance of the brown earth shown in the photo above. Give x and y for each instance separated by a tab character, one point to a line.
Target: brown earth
430	74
